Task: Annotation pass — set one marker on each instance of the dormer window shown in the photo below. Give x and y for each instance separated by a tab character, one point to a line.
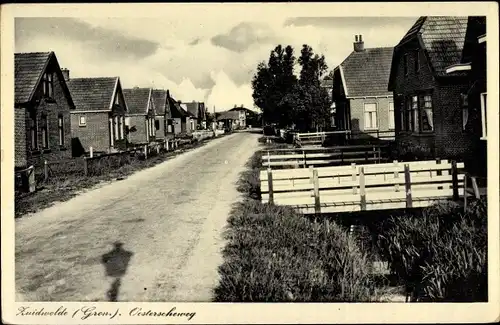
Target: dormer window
48	84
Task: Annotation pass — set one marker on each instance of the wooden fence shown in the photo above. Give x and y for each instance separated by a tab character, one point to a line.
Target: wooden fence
318	138
364	187
24	180
203	134
341	155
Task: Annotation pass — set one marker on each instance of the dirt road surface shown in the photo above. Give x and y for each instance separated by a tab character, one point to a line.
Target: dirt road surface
169	219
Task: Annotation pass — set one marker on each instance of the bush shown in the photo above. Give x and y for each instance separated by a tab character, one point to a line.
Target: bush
441	254
276	255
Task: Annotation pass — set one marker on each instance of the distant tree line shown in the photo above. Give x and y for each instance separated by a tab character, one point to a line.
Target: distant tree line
289	101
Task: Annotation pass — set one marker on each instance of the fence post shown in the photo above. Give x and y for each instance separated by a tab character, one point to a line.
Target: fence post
168	145
439	172
354	173
85	166
305	160
158	148
396	174
317	203
145	151
454	179
46	169
270	185
91	152
409	200
362	191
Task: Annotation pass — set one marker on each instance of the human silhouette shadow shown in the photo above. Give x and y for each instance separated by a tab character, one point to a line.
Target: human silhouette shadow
116	262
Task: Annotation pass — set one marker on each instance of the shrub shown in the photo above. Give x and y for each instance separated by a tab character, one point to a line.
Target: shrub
441	254
276	255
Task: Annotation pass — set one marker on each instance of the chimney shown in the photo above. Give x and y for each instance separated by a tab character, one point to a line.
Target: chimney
359	45
65	73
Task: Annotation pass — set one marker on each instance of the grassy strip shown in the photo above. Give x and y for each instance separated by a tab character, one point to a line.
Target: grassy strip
276	255
441	254
60	189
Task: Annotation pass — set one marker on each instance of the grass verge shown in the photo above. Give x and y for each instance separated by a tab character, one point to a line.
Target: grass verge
274	254
60	189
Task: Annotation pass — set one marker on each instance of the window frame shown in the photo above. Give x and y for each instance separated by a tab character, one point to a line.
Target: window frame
84	120
392	117
484	129
422	95
44	121
60	128
34	131
371	112
48	84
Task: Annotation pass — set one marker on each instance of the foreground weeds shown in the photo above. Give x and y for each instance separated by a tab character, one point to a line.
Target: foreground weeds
441	255
276	255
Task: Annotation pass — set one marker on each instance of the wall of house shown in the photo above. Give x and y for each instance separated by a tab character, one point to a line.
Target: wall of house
357	107
177	125
20	147
406	86
160	132
96	132
139	136
59	105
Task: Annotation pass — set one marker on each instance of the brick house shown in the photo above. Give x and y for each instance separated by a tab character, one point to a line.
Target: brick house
229	119
473	62
429	102
179	116
163	121
197	112
98	120
42	105
140	117
242	115
191	120
363	104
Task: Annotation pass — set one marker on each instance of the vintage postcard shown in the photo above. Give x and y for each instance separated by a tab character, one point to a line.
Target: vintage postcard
240	163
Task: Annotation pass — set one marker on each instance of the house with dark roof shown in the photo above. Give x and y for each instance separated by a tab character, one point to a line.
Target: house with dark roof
98	121
42	105
140	117
229	119
163	121
361	100
197	112
180	117
191	120
247	116
430	103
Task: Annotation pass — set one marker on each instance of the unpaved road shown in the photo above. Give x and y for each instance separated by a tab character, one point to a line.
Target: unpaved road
169	217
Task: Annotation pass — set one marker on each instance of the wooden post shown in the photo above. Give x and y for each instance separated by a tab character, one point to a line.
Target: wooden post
305	160
439	172
409	201
46	169
354	173
270	185
85	166
268	159
158	148
454	179
145	151
475	188
396	175
168	145
362	191
317	204
31	180
91	152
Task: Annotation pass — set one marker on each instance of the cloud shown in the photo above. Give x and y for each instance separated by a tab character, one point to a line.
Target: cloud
110	43
349	22
225	94
243	36
195	41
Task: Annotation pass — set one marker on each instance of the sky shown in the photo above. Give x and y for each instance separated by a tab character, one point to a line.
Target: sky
196	55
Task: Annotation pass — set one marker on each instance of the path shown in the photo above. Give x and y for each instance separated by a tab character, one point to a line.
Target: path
170	217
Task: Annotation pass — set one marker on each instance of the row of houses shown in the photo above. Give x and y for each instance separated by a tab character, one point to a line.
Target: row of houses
57	116
428	92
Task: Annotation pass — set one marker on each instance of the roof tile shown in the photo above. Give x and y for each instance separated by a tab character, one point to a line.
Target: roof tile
160	101
28	68
137	100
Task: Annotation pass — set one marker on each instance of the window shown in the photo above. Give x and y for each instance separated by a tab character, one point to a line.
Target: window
464	103
414	113
405	63
417	61
60	125
370	116
157	124
45	133
82	121
115	124
426	114
48	84
391	116
483	116
33	131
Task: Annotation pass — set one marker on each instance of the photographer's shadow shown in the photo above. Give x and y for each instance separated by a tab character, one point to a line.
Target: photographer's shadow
116	263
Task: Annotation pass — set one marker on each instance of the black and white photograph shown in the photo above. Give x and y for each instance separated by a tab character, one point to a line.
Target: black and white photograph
249	153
